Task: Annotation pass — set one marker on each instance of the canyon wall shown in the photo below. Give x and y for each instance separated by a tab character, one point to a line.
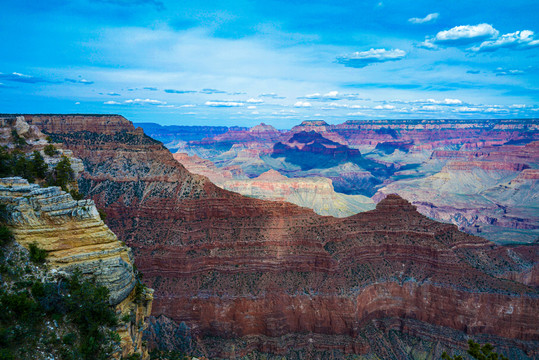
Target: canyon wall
73	234
242	275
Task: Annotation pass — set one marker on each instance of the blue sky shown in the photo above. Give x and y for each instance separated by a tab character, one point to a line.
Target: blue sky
240	62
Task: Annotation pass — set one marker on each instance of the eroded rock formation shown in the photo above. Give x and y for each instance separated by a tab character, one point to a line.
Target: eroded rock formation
76	238
244	274
316	193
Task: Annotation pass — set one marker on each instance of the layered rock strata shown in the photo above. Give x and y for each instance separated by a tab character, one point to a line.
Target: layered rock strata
244	274
316	193
76	238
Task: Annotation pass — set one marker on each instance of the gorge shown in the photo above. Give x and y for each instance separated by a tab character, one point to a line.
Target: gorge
235	276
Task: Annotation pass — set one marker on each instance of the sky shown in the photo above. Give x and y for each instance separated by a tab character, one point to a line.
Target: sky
240	62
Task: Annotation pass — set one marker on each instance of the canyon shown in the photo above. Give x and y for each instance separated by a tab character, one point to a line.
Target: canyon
316	193
235	275
455	171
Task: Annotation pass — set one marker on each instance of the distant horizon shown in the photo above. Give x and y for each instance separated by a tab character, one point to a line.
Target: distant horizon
240	63
278	128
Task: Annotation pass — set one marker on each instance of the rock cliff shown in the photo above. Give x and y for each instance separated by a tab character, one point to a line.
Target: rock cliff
76	238
241	275
70	231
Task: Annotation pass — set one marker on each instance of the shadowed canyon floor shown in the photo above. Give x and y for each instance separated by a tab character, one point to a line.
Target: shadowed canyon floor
234	274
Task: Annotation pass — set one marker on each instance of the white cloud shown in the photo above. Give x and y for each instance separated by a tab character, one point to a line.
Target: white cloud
358	113
251	107
330	96
80	81
77	103
223	103
501	71
518	40
467	32
518	106
428	44
467	109
302	104
384	107
461	35
426	19
443	102
452	101
271	95
431	107
111	102
255	113
364	58
145	102
187	106
495	110
255	101
347	106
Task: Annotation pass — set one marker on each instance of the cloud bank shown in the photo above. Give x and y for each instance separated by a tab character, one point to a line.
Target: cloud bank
518	40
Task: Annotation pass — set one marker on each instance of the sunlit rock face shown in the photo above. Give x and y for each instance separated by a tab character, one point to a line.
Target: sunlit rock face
237	274
316	193
71	231
76	238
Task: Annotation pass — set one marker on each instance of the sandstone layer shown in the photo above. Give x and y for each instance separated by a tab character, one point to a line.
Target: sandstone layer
76	238
246	275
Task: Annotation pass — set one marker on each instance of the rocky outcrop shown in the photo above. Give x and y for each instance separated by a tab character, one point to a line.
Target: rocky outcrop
100	124
76	238
248	275
71	232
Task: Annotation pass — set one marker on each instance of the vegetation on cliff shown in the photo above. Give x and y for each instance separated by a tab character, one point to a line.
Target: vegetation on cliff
48	313
34	169
477	351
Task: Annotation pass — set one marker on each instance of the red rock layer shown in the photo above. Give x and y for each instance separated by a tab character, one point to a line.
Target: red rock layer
101	124
234	268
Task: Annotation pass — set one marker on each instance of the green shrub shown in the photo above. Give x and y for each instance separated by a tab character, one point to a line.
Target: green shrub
16	163
139	292
77	304
476	351
22	167
69	338
17	139
37	255
50	150
64	173
102	214
6	235
38	165
76	195
88	308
